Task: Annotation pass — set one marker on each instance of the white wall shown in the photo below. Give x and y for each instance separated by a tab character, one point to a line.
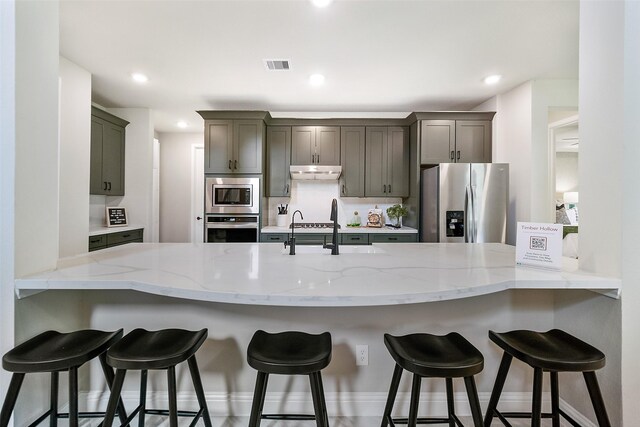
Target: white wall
630	213
566	173
75	152
7	173
175	184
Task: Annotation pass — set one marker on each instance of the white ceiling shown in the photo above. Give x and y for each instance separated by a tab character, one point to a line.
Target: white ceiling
384	56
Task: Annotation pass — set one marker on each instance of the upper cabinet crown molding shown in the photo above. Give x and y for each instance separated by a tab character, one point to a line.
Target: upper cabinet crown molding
234	115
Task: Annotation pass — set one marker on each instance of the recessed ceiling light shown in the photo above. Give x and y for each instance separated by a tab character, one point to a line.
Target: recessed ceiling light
182	124
321	3
316	79
491	80
139	78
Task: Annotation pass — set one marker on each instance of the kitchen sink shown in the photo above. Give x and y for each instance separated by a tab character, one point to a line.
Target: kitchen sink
319	250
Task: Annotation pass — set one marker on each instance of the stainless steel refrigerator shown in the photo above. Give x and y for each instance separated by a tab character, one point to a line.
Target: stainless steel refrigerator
465	202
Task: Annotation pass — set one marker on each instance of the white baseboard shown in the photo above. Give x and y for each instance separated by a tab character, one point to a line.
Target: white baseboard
369	404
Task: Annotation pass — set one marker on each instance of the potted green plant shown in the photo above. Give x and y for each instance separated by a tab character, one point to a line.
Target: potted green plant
397	212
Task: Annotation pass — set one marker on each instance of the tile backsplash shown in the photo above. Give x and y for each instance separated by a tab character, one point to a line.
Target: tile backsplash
313	199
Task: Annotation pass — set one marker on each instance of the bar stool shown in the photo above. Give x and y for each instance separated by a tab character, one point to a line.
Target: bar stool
432	356
552	351
289	353
143	350
56	352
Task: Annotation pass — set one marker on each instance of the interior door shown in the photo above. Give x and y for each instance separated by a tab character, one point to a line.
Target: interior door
197	196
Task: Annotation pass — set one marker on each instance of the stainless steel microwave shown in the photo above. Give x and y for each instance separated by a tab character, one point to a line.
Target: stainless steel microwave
230	195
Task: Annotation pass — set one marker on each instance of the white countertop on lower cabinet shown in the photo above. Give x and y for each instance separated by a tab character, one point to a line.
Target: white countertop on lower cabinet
264	274
96	231
368	230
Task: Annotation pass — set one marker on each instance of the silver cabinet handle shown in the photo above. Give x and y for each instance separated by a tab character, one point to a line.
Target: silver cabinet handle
230	165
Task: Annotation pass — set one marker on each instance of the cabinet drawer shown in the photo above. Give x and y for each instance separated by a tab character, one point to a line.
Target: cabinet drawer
312	239
393	238
354	239
124	237
97	242
273	237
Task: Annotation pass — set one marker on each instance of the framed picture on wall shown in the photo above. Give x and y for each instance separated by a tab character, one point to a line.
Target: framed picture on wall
117	217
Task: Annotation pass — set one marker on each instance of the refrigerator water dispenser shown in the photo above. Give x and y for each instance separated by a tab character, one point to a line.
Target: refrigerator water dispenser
455	223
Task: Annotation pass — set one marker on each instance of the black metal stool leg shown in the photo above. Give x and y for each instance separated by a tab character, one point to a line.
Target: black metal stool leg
10	398
258	399
53	418
450	403
391	398
116	389
73	397
474	401
497	388
596	399
536	408
318	407
415	400
142	403
555	400
109	375
197	385
173	400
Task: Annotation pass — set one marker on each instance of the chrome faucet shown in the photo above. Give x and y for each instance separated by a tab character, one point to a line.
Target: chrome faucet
334	217
292	239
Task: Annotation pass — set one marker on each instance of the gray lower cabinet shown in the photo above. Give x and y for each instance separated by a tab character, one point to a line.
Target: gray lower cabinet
352	158
354	238
233	146
393	237
455	141
387	162
273	237
278	161
315	145
107	153
108	240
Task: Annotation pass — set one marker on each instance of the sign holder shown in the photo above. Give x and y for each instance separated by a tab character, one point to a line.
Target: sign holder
539	245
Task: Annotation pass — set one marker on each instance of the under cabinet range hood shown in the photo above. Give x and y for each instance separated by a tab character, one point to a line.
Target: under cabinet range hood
315	172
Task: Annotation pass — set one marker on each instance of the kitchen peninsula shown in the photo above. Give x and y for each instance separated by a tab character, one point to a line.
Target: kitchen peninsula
263	274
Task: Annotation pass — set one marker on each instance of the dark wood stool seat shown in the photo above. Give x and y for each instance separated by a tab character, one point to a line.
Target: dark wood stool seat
433	356
54	352
164	349
289	353
552	351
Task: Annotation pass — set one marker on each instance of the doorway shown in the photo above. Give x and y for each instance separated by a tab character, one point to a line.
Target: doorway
564	146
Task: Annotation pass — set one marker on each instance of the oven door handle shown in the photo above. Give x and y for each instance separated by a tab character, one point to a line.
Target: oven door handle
228	226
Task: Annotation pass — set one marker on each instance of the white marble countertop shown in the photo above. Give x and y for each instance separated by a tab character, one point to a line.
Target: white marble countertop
96	231
264	274
367	230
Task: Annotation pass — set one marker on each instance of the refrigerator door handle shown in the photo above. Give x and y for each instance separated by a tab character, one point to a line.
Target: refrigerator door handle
467	206
474	235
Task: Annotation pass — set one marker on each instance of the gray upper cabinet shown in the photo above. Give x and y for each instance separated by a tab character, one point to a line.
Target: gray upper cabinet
107	153
387	162
233	146
315	145
352	149
455	141
278	161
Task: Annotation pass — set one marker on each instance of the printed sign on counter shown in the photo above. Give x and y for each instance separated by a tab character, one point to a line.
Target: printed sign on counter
539	245
116	217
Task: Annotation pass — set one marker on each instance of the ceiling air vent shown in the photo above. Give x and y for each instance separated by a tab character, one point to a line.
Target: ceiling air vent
277	64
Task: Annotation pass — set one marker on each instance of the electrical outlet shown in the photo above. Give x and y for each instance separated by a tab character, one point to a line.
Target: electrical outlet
362	354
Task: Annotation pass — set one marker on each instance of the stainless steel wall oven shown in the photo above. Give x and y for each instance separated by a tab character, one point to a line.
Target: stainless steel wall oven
232	207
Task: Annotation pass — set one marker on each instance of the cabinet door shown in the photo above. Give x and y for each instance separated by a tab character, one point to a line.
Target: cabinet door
113	159
96	184
352	149
398	162
473	141
247	146
376	162
278	160
303	142
354	239
327	146
218	146
438	142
